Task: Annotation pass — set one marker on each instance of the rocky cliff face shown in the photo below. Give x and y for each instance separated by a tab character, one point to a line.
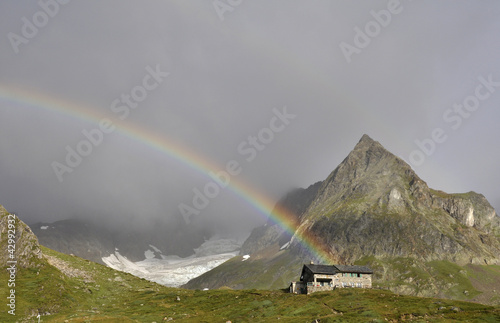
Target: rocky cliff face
27	250
374	210
470	209
373	204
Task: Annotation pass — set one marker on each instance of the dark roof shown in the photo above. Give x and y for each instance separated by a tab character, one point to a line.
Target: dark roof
322	269
354	269
333	269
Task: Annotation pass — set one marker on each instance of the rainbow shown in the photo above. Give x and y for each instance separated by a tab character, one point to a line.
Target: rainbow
180	153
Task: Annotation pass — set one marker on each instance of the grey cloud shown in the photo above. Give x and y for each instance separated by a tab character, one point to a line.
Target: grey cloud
225	79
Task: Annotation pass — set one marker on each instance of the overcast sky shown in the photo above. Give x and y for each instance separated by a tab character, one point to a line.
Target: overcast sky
342	69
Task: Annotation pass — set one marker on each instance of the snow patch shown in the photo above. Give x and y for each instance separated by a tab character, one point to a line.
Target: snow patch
172	270
469	218
245	257
149	254
395	194
155	249
285	245
155	253
44	227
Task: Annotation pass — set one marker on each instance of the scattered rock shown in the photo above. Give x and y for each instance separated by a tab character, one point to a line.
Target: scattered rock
27	251
68	270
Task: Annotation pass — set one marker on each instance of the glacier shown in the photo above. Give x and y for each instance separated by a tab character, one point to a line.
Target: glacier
172	270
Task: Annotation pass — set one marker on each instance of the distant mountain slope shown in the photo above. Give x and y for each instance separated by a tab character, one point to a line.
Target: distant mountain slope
374	210
296	202
94	242
76	237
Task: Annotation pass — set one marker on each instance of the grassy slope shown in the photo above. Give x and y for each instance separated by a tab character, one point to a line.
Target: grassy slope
478	283
279	270
110	296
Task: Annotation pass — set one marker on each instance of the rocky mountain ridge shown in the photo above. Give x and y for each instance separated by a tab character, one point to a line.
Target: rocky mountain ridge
373	209
372	197
93	242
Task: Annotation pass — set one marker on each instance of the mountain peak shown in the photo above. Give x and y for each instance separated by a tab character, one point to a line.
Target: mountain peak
367	143
367	139
372	182
368	165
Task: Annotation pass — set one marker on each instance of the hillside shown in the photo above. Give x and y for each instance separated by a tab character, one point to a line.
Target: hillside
64	288
374	210
76	290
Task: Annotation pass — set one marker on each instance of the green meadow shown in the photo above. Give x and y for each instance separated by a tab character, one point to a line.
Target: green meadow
83	291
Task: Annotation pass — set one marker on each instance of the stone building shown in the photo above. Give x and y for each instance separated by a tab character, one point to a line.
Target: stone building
316	278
